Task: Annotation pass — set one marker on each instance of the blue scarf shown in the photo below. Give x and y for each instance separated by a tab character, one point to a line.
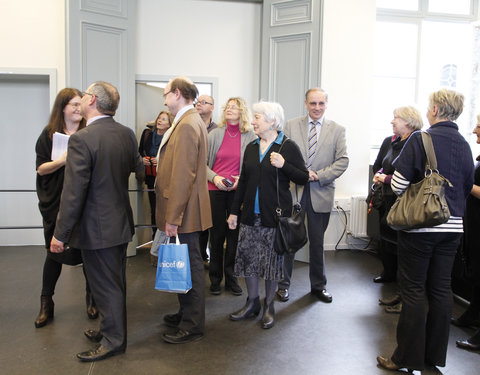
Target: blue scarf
156	140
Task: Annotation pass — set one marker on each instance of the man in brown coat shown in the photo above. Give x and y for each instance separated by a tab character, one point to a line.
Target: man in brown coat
183	203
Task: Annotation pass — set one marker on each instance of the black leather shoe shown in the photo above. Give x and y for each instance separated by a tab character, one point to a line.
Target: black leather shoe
383	279
93	335
46	311
172	320
322	295
467	344
97	354
215	289
182	337
387	363
250	310
282	295
235	289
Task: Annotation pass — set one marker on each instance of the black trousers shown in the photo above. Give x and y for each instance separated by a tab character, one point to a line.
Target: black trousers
192	304
203	239
222	262
51	273
425	262
105	270
150	182
317	224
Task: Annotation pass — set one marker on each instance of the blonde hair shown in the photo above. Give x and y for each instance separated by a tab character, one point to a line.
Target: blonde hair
245	117
410	115
448	102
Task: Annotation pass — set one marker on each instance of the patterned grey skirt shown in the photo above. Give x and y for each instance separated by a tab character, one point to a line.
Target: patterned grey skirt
255	255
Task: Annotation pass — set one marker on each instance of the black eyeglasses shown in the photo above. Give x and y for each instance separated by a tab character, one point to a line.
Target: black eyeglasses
203	102
86	93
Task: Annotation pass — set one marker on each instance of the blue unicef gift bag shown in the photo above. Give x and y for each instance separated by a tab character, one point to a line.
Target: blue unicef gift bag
173	268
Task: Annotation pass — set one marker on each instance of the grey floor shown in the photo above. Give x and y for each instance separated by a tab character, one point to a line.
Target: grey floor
309	337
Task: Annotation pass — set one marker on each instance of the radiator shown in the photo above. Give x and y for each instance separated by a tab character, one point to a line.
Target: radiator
358	216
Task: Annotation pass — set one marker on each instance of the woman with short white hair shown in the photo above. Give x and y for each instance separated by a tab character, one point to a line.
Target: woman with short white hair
270	155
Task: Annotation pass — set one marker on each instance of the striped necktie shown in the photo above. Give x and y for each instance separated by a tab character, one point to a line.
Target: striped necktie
312	143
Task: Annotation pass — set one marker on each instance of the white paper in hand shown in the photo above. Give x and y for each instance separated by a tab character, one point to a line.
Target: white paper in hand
59	144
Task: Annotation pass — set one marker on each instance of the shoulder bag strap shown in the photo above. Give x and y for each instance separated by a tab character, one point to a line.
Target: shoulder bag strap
429	151
279	210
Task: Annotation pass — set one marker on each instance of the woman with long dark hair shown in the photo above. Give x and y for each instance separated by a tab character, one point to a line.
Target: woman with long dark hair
65	118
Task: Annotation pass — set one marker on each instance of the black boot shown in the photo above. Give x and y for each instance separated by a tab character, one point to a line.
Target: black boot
92	310
46	311
268	318
250	310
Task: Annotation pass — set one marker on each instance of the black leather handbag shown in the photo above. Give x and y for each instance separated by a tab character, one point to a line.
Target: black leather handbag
290	234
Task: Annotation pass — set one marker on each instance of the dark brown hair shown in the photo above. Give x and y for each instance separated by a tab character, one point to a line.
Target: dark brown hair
56	123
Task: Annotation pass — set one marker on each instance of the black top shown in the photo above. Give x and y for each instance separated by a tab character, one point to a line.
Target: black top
391	148
263	175
471	224
145	142
49	187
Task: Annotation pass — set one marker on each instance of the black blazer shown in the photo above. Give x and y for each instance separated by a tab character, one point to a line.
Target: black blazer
95	210
263	175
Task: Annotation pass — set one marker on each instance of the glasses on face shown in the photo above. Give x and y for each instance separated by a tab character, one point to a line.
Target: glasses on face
203	102
232	107
75	105
166	93
86	93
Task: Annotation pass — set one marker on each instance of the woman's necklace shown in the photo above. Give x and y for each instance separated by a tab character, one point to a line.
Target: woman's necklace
232	136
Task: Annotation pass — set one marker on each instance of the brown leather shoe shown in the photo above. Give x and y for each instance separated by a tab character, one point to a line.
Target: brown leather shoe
396	309
92	310
387	363
390	301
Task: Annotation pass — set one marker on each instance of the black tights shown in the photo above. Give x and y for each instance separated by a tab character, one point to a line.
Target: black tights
51	273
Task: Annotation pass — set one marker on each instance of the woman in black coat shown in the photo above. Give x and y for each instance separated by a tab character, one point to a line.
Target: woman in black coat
65	118
471	246
148	149
405	121
271	154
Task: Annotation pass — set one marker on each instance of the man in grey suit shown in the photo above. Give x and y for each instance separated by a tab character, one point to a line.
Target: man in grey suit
324	149
95	214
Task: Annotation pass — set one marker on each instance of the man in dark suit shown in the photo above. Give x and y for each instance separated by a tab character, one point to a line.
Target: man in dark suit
183	203
324	149
95	214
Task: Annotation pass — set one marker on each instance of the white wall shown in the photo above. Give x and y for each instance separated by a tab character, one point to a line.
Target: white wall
202	38
347	71
33	35
222	39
